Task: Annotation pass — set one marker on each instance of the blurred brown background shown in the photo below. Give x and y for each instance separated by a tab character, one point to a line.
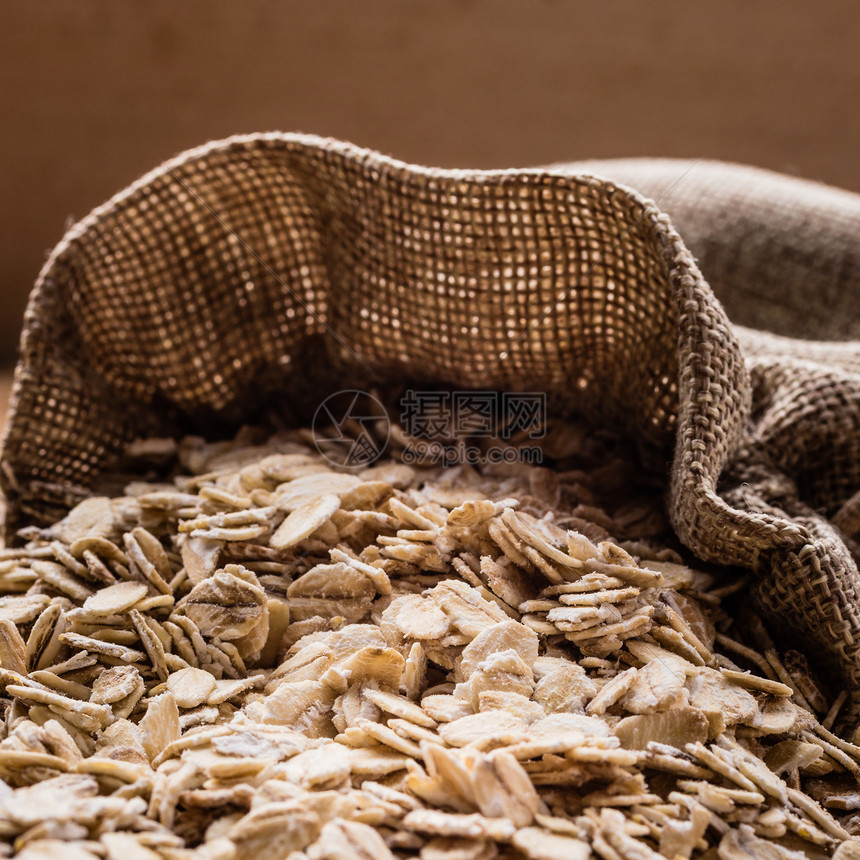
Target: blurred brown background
96	92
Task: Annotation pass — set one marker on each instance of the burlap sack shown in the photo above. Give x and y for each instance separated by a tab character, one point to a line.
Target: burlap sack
284	266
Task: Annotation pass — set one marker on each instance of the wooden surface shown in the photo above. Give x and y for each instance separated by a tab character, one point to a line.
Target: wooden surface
95	92
5	389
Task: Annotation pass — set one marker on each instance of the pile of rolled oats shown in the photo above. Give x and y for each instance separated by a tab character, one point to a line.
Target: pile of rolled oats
267	658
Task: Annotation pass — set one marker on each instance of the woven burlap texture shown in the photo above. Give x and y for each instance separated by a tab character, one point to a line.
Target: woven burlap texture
271	265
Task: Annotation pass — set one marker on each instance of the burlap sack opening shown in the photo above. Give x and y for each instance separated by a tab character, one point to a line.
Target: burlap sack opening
281	264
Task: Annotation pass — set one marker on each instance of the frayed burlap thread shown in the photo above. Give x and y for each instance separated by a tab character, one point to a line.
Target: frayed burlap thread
281	266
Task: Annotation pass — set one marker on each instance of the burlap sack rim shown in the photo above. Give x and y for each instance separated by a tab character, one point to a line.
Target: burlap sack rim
64	251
